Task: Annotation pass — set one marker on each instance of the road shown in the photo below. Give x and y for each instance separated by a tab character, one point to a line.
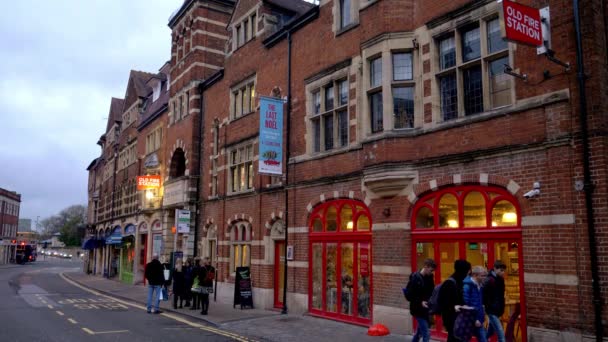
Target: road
39	304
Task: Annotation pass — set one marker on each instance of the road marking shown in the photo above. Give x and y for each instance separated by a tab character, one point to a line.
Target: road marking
168	315
50	307
59	313
44	302
91	332
72	321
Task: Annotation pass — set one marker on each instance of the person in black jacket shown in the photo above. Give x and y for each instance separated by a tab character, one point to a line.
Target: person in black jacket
420	290
179	288
206	274
450	296
196	297
188	279
494	299
156	280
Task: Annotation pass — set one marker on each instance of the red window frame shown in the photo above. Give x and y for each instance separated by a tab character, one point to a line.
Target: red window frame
461	234
358	238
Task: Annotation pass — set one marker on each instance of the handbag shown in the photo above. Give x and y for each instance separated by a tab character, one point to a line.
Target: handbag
464	326
196	286
164	294
166	274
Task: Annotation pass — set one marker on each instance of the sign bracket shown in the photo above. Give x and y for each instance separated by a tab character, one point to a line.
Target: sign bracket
550	54
509	71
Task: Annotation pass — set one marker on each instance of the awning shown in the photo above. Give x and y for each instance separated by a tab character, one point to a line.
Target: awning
115	238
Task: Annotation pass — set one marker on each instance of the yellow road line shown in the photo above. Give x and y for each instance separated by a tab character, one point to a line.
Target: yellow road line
72	321
59	313
168	315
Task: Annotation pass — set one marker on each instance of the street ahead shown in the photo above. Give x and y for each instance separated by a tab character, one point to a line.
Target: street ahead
39	304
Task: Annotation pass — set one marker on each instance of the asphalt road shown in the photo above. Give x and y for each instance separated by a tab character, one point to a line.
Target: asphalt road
38	304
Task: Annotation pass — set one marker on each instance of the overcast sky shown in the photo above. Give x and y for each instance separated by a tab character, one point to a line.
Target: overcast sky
60	64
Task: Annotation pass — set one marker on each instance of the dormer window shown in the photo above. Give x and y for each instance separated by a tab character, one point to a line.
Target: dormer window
246	29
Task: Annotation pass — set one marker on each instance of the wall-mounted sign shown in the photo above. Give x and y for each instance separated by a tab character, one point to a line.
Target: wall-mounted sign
148	182
271	136
289	252
364	259
522	23
151	161
182	218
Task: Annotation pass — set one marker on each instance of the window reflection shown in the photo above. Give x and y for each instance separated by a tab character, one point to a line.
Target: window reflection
363	223
317	275
504	214
474	210
448	211
346	218
425	218
331	219
330	271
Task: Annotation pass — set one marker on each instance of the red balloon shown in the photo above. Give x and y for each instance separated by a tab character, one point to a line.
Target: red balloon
378	330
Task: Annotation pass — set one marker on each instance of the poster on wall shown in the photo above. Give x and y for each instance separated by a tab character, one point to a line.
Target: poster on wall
271	136
364	259
243	292
183	220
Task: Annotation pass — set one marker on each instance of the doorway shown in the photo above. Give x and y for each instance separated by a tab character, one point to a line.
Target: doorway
279	273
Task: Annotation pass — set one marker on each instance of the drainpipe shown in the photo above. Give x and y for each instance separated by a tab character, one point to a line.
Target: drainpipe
288	121
199	149
588	185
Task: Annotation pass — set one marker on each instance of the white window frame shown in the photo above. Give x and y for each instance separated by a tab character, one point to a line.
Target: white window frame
240	165
238	244
242	98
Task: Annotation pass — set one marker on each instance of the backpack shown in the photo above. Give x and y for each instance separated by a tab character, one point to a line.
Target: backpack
434	303
409	291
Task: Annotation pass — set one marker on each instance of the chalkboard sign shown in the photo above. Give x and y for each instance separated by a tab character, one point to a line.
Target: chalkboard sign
243	292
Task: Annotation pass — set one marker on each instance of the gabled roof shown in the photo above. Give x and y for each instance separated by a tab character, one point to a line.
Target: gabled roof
298	6
116	107
140	78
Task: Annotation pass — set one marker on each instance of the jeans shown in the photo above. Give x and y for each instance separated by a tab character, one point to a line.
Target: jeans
422	331
495	327
153	292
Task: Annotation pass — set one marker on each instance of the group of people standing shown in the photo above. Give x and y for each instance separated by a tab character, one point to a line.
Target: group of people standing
190	282
462	300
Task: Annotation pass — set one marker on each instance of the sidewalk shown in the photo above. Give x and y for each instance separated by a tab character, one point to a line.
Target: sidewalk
261	325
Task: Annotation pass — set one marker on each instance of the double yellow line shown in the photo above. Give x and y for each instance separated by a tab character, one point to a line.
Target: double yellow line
168	315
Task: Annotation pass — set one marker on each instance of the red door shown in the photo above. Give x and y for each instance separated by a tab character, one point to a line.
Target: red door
279	273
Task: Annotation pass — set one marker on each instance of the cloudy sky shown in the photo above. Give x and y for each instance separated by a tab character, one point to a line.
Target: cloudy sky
60	64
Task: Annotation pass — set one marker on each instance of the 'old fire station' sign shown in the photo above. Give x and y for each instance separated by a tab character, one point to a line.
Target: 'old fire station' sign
522	23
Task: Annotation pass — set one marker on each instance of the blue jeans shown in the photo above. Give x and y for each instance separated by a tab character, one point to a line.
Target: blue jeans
153	292
422	331
495	327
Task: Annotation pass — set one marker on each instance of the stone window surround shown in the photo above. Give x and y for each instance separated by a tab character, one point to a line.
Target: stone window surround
454	28
251	18
384	47
229	166
319	85
239	243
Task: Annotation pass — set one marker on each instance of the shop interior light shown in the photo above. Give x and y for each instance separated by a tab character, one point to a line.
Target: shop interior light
509	217
349	225
452	223
149	195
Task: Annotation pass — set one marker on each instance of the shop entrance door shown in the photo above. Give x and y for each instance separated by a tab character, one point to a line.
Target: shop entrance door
279	273
479	253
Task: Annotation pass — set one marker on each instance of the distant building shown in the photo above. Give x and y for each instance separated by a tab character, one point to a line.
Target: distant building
10	202
25	225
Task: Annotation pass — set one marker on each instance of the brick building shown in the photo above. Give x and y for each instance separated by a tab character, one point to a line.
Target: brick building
10	203
406	140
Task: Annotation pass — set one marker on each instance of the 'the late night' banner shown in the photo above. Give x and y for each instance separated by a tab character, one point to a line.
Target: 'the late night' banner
271	136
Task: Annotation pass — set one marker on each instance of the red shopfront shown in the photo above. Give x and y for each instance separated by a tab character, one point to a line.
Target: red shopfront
340	282
480	224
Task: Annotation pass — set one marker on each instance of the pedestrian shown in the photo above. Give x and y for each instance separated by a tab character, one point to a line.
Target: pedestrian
207	274
494	299
154	275
178	284
419	289
196	296
188	280
450	296
472	295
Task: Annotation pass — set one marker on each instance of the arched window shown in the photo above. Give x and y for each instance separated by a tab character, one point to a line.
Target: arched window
178	164
340	279
240	239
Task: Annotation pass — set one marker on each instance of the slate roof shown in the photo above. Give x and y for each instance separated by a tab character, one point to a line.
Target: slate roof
140	80
298	6
116	107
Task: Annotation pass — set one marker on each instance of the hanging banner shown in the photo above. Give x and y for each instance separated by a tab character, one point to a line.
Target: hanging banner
183	220
271	136
522	23
148	182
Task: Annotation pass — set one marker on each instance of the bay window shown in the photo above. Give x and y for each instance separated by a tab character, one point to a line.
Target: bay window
329	122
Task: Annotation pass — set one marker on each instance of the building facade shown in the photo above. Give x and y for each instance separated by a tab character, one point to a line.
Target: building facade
10	203
410	132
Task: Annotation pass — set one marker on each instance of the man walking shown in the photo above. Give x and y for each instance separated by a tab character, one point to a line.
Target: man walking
494	299
419	290
450	296
207	274
154	275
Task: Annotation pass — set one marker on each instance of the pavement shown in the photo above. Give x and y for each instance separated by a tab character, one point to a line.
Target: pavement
256	324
